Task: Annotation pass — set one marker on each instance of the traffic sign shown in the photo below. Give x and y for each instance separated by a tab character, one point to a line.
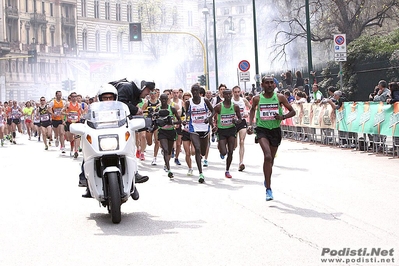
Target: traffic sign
245	77
339	47
243	65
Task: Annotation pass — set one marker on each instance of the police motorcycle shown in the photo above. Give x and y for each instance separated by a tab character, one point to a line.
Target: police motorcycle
108	140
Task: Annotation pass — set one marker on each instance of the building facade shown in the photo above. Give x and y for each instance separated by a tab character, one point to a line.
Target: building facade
84	43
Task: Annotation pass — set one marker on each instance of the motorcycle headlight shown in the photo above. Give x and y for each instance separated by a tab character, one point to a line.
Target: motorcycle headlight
108	142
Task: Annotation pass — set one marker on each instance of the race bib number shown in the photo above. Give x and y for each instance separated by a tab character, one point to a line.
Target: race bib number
268	111
57	111
44	117
73	117
226	120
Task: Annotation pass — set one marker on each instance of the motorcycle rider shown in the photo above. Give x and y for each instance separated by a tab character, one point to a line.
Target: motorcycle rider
108	92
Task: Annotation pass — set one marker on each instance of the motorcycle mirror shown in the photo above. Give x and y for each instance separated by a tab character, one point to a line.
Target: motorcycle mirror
163	112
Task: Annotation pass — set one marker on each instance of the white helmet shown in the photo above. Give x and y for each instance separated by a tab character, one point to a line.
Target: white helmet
107	89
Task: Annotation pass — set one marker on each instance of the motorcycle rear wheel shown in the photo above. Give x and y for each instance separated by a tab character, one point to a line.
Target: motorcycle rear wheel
114	198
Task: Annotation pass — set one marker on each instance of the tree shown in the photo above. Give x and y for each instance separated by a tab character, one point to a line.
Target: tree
328	17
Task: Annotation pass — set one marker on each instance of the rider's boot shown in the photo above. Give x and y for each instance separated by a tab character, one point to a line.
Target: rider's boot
87	194
140	178
135	193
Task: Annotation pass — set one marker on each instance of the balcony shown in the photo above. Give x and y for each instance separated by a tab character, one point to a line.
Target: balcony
68	21
12	12
36	18
4	48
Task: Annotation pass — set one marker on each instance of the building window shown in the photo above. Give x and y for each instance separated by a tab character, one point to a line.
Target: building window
129	12
84	40
98	41
44	35
43	8
241	9
163	15
107	11
26	6
96	8
174	20
140	12
226	11
119	40
190	18
108	41
52	9
52	39
118	12
242	27
83	8
226	27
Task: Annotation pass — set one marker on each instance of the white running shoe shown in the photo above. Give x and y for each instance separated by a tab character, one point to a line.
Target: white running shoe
57	142
154	161
190	172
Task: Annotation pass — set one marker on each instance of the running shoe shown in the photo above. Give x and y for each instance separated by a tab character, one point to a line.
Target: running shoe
165	168
221	156
154	161
201	178
38	139
57	142
14	142
227	174
142	158
177	161
269	194
62	149
205	163
2	142
170	174
75	155
213	137
46	148
80	149
49	143
241	167
137	154
190	172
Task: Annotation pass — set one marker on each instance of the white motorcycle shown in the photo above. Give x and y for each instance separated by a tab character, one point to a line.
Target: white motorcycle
108	139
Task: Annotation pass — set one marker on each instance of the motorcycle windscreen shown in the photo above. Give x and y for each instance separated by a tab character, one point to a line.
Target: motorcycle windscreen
109	114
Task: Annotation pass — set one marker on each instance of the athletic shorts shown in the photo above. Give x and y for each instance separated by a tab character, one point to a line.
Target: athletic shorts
9	121
167	134
185	136
241	125
202	134
45	124
16	121
56	123
37	124
273	135
225	133
179	131
28	121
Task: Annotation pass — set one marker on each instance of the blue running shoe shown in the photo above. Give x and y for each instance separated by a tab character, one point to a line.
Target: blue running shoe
269	194
213	137
205	163
221	156
177	161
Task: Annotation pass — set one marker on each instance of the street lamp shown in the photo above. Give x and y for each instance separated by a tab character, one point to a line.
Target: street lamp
205	11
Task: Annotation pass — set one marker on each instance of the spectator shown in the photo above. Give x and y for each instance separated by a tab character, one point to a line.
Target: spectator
317	95
307	89
383	92
289	97
300	83
394	88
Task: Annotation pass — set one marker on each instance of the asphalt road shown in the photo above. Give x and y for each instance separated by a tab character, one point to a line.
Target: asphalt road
325	198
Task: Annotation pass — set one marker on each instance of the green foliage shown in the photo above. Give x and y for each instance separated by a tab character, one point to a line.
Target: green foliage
364	50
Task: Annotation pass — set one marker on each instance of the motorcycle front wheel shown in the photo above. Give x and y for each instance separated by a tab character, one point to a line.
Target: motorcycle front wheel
114	198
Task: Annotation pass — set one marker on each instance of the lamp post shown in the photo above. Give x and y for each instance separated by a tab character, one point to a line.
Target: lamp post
256	47
205	11
309	42
231	32
214	41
